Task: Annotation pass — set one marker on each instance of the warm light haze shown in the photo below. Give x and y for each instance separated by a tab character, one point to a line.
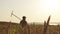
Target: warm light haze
34	10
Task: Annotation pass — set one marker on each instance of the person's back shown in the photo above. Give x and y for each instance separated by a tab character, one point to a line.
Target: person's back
23	22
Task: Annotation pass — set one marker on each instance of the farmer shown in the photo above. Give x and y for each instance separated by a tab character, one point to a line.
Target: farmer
23	22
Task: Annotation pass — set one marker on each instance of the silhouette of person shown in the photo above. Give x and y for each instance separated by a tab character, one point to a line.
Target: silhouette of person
23	22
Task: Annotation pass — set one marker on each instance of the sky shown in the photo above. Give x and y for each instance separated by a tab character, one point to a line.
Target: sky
34	10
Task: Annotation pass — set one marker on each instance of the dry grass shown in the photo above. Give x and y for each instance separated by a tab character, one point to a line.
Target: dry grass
14	28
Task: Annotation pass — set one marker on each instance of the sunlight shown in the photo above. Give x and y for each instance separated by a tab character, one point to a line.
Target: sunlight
52	4
49	6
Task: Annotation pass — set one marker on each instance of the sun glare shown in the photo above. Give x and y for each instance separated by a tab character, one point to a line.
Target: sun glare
50	6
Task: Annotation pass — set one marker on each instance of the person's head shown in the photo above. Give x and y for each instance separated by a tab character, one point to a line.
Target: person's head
24	18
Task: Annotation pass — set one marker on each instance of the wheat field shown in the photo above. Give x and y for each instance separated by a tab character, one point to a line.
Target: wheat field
14	28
